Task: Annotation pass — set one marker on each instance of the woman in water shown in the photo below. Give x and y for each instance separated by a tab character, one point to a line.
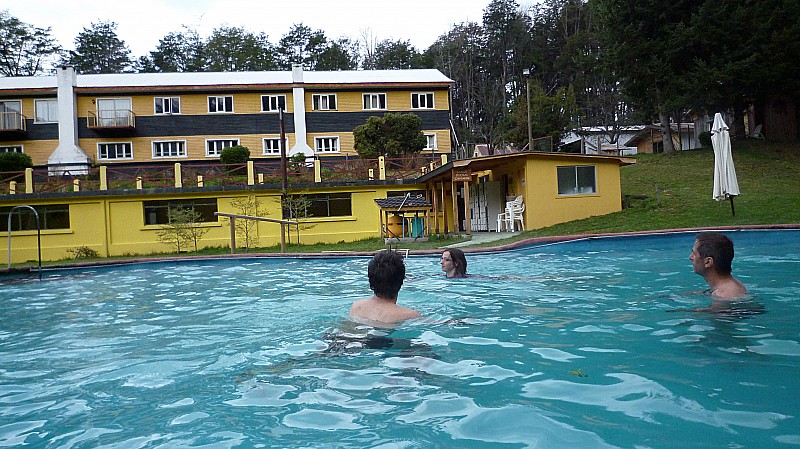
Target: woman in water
454	263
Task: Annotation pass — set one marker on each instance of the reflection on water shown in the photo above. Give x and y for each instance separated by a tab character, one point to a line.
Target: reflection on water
560	347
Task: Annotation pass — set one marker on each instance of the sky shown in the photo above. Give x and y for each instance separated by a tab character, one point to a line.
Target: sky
142	23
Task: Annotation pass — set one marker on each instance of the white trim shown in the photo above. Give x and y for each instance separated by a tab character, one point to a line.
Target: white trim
423	95
20	146
435	142
235	139
99	158
318	98
374	96
273	111
278	150
165	112
217	97
577	186
36	109
153	144
334	138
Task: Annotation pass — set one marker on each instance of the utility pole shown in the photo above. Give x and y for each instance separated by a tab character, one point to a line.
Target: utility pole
528	74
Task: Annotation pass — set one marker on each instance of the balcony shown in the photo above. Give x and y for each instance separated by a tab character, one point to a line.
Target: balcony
13	126
111	120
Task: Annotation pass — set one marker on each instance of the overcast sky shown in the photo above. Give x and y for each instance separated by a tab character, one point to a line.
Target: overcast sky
142	23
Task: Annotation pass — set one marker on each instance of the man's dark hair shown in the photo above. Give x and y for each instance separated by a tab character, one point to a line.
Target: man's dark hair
386	272
718	247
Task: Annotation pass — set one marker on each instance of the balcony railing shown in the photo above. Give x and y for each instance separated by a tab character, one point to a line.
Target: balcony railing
112	118
12	122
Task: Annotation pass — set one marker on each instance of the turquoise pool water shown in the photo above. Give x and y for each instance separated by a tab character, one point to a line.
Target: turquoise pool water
569	345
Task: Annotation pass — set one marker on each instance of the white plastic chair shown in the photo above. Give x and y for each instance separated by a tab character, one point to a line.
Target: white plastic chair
756	134
508	216
516	213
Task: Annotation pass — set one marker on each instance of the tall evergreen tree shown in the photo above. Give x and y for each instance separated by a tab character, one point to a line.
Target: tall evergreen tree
397	54
178	52
301	45
237	50
24	48
98	49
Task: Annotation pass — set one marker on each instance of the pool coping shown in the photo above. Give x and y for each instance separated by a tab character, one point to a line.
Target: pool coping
30	270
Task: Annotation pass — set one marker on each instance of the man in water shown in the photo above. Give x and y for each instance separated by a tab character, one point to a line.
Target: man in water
711	258
386	272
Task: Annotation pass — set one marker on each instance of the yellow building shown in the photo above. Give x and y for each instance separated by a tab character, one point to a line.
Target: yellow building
69	121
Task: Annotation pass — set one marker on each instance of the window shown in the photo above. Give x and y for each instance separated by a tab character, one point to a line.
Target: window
220	104
658	147
167	105
113	112
430	142
46	111
326	144
215	147
323	102
115	150
318	205
157	212
173	148
11	115
374	101
51	216
11	149
422	101
576	180
272	103
272	146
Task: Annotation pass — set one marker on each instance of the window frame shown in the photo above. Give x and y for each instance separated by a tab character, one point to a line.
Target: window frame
163	206
6	148
225	104
173	101
36	109
416	96
274	151
219	150
183	150
316	102
577	186
372	97
277	98
124	158
48	213
319	139
428	138
321	202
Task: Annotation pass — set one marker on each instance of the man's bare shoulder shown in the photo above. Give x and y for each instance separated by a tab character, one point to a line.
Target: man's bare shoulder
729	290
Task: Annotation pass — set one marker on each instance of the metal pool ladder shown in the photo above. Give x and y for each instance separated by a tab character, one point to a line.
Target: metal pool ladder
38	235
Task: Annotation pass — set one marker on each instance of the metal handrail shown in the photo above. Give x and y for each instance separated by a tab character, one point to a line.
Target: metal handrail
38	236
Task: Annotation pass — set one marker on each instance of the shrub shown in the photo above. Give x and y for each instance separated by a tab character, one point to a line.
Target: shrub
235	155
83	252
15	162
705	139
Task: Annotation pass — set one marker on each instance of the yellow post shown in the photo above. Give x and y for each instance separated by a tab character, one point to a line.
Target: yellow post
444	159
28	180
178	179
233	235
76	185
382	168
251	177
371	174
317	171
261	178
199	180
138	183
103	177
12	188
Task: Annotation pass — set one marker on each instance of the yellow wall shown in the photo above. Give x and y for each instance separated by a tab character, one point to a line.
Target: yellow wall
114	225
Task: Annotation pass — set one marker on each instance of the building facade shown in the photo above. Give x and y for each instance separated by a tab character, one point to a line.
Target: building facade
71	121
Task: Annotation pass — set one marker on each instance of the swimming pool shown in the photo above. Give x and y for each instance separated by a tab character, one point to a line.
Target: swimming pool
569	345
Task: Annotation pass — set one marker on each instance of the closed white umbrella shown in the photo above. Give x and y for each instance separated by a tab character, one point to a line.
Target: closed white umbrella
726	186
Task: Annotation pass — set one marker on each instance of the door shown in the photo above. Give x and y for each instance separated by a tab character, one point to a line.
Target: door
113	111
10	115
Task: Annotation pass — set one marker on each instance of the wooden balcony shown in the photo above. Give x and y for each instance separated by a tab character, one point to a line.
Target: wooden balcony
111	120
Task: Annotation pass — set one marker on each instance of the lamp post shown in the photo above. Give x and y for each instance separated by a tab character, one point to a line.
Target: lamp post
528	74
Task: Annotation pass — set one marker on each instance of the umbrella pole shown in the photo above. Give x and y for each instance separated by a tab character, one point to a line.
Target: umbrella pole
733	211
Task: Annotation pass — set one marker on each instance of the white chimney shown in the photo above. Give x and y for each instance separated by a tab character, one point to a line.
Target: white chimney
68	157
298	95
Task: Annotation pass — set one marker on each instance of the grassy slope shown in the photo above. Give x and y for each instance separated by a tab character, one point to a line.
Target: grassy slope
678	190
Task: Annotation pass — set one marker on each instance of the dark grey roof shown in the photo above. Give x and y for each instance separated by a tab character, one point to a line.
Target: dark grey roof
394	202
